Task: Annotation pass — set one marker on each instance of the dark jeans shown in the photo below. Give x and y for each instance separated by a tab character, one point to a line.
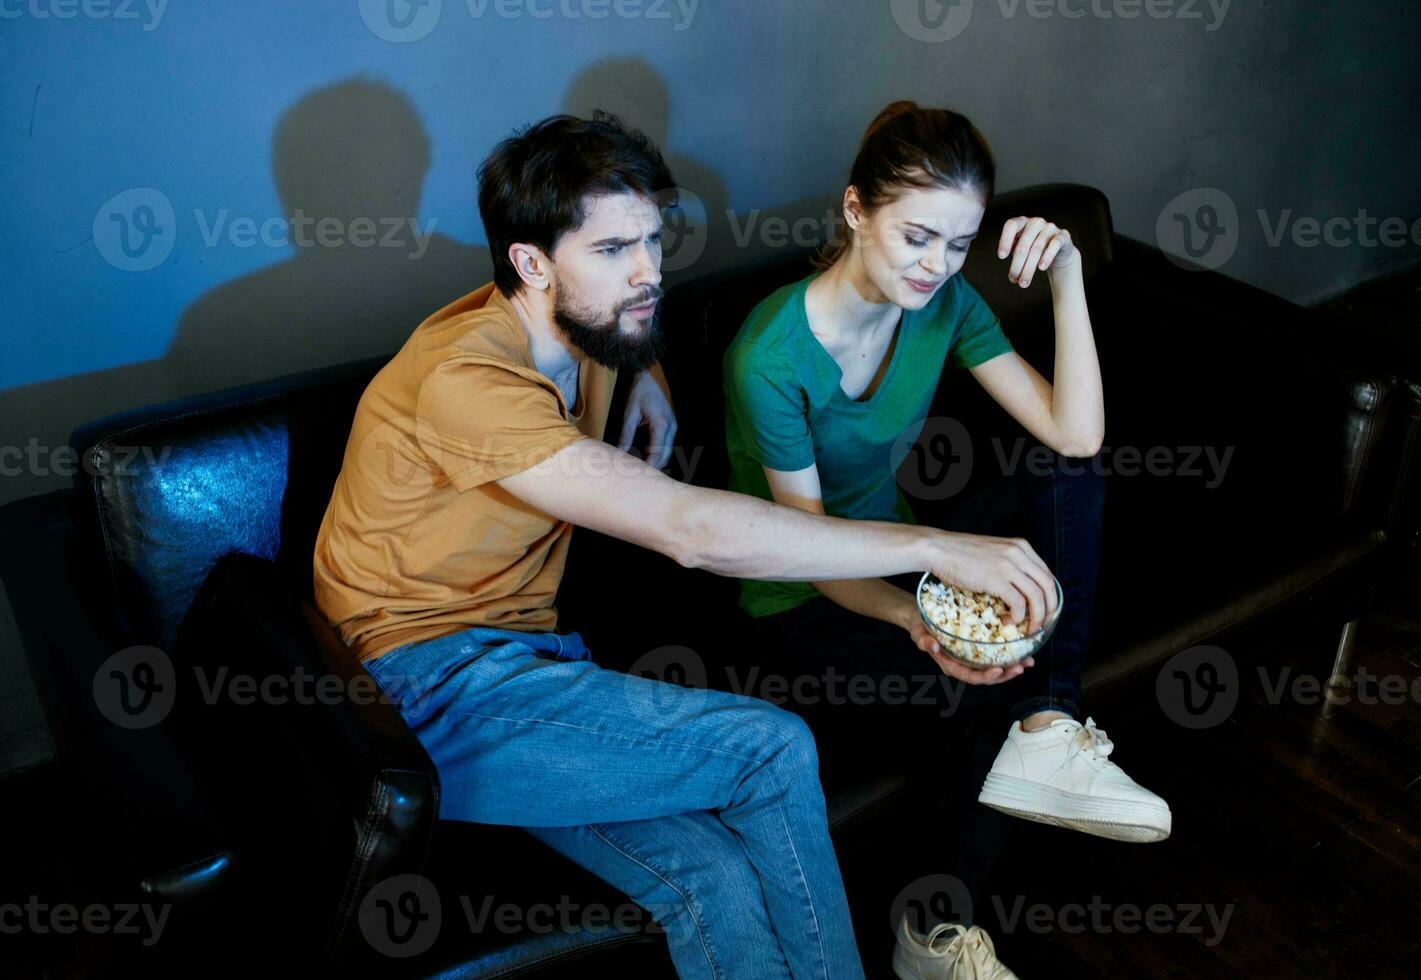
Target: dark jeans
874	692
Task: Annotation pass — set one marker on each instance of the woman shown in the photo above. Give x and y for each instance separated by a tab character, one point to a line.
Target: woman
826	383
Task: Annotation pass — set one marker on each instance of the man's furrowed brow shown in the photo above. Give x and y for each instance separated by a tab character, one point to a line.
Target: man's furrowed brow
615	240
606	242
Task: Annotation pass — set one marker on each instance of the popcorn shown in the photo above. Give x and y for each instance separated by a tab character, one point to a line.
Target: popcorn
971	620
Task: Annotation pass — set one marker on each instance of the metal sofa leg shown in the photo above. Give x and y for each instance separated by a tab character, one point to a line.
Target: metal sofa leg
1339	684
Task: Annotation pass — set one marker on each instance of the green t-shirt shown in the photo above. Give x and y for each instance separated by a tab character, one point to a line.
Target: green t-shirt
784	408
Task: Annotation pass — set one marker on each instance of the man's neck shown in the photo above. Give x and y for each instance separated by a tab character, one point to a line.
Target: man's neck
552	355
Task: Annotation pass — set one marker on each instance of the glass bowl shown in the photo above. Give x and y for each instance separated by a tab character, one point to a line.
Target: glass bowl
987	653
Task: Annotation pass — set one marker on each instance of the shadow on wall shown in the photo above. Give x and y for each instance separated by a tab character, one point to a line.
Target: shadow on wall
703	234
355	154
349	162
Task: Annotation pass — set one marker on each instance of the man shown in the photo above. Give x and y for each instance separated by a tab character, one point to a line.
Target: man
474	452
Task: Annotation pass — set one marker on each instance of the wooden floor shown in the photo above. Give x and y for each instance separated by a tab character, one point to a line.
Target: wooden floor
1301	833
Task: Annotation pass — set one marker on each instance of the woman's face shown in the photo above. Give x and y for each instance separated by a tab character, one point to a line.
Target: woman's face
911	245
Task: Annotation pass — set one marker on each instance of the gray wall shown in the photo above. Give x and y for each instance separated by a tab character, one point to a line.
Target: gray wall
258	110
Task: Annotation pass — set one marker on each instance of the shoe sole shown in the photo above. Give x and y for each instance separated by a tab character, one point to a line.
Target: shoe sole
1123	820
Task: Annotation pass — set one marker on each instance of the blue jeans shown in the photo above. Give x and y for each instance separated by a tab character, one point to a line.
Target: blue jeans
703	806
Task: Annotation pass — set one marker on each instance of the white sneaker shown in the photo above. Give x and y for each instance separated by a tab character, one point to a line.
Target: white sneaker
951	951
1060	775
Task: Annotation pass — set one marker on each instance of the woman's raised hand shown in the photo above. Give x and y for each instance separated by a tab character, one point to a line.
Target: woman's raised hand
1035	244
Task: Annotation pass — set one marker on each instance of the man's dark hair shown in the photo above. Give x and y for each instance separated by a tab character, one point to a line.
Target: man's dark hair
532	184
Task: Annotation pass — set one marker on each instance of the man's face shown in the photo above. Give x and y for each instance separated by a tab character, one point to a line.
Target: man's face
919	240
607	283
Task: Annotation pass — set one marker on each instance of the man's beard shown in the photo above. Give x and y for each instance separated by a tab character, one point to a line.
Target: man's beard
604	340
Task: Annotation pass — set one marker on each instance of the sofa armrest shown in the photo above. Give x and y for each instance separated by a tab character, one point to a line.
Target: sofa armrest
163	840
333	790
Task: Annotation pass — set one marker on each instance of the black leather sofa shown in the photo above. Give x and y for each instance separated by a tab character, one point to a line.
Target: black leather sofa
267	825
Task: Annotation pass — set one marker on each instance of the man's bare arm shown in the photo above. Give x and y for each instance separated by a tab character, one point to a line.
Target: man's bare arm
594	485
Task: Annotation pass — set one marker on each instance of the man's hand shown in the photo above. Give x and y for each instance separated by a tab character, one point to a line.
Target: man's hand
926	642
649	403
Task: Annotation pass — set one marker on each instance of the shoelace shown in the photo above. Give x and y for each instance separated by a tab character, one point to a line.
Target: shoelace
976	955
1093	741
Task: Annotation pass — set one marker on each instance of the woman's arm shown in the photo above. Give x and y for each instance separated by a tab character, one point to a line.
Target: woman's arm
1069	417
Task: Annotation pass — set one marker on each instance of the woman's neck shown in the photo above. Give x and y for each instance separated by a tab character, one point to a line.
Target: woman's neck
843	303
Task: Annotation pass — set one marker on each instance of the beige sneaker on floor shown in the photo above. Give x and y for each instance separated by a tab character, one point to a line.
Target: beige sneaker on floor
950	952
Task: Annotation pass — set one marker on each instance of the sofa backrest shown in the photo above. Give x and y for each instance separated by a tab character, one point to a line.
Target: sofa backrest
166	490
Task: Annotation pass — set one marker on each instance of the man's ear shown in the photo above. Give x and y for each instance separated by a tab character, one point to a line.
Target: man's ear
531	264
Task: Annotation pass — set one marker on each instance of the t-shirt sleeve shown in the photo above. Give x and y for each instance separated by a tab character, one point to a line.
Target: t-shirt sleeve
979	334
769	407
479	422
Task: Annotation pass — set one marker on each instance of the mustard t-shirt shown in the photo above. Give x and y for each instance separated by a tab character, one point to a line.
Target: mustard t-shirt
417	540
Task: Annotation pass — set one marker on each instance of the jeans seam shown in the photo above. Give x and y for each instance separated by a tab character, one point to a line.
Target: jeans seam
799	868
691	905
